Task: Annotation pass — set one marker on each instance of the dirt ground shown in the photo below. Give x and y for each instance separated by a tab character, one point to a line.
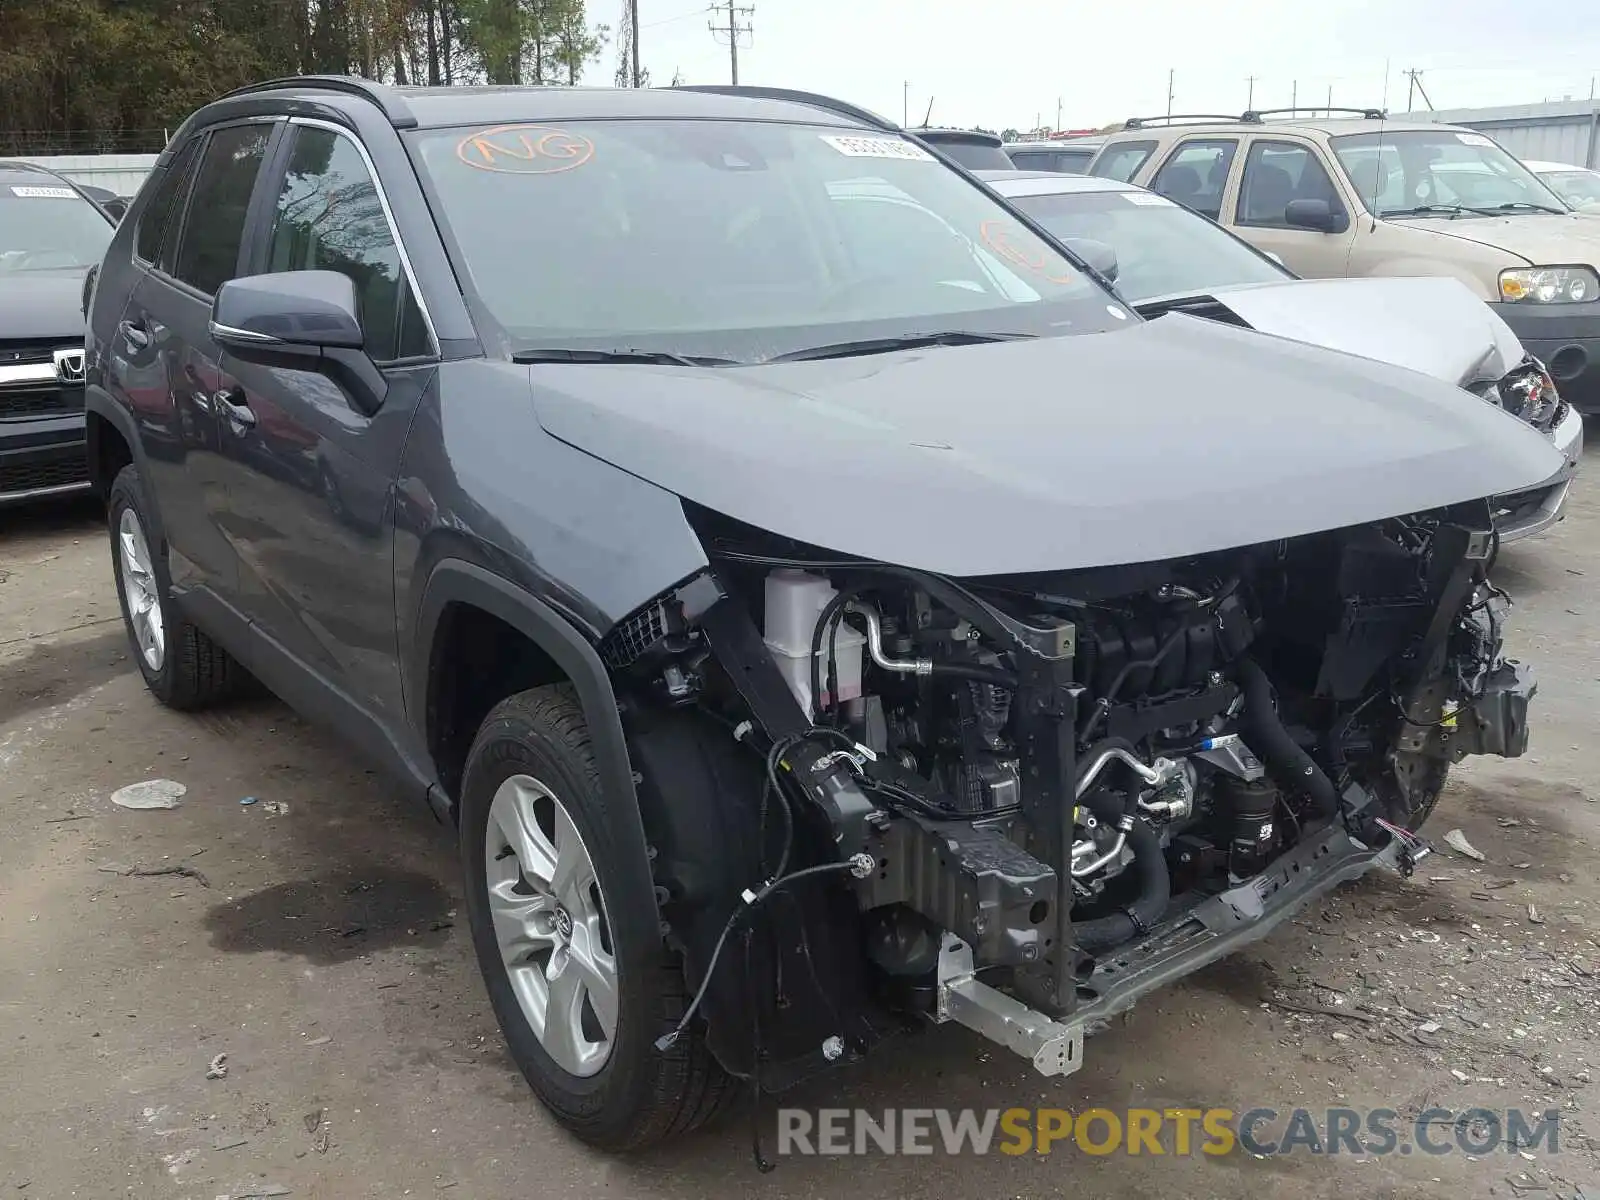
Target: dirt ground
314	939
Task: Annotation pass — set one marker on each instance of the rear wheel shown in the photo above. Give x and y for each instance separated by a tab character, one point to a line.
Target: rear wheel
578	976
181	665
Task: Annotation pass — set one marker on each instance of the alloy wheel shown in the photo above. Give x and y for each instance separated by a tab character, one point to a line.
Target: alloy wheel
550	923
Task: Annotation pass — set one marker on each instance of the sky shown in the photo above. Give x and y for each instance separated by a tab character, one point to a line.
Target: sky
1008	63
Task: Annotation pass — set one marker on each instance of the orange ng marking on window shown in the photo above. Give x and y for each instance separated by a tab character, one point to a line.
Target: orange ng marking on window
524	150
1003	238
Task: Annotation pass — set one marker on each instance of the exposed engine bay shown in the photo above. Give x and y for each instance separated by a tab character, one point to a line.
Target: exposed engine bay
877	795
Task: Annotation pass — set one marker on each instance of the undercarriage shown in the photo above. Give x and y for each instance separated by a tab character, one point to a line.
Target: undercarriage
877	797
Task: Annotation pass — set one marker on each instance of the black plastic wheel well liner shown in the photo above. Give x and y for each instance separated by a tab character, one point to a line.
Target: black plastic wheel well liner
454	581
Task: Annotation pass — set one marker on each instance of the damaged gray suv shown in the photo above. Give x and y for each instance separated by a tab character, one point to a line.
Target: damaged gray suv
817	602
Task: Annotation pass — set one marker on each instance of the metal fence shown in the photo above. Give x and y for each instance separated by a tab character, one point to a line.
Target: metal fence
27	143
1564	131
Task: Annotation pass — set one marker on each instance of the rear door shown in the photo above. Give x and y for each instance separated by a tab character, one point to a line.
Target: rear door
1276	171
312	459
164	362
1195	174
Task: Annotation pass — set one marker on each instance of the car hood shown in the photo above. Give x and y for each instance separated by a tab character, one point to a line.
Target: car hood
47	305
1436	326
1541	239
1171	437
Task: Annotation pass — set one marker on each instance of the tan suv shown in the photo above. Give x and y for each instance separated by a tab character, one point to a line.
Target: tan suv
1361	195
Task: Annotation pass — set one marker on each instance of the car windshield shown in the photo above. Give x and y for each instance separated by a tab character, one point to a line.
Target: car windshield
48	226
1162	248
738	241
1399	173
1578	187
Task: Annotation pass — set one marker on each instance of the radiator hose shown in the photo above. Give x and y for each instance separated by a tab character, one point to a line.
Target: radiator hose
1149	866
1288	763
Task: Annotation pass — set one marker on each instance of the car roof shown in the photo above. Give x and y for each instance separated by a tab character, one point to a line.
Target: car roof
25	172
1089	142
1050	183
1328	126
975	137
502	104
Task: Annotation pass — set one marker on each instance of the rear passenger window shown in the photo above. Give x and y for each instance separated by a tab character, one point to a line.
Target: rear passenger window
208	254
1122	161
1196	173
166	203
1276	173
329	218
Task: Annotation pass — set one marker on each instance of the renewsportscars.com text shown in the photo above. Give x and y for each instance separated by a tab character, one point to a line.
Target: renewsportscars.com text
1179	1132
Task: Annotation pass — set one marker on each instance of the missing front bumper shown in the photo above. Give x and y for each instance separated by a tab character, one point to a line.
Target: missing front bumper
1212	929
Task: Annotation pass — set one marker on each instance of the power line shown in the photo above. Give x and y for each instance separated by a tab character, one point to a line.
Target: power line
732	29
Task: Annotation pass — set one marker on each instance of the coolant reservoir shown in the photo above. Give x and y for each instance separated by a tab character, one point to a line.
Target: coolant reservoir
794	603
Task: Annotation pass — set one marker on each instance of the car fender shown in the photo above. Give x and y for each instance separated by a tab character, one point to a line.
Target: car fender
98	402
454	580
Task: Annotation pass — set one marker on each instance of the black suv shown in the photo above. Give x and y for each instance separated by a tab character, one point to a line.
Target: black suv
51	234
818	602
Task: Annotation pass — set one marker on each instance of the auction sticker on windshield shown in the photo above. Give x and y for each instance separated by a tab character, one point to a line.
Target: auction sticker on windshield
1473	139
873	147
524	150
48	193
1145	198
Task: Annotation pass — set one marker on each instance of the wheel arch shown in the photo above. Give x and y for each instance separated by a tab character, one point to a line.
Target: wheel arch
455	582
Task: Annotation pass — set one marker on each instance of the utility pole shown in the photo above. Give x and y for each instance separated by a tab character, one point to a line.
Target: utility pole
1416	87
733	30
1294	93
1250	98
905	104
1057	129
1330	100
1170	74
633	21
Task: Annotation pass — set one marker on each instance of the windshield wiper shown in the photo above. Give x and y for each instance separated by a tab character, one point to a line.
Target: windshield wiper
1529	205
909	341
580	354
1423	210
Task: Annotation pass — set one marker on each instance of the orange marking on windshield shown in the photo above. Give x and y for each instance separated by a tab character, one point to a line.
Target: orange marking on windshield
524	150
1003	238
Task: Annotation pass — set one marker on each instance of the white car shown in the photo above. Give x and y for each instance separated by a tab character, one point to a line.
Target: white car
1165	258
1578	186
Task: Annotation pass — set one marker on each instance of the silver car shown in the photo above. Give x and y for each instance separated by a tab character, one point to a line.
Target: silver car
1165	258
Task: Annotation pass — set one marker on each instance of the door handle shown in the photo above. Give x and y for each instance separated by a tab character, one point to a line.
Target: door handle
134	334
229	403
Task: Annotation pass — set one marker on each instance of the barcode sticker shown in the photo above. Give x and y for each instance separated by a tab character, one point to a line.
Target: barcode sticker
48	193
1144	198
1473	139
876	147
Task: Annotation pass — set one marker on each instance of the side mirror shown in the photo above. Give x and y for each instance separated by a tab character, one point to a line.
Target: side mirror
306	320
1099	255
1314	214
287	311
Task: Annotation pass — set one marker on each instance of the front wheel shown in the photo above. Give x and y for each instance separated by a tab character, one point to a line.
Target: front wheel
579	978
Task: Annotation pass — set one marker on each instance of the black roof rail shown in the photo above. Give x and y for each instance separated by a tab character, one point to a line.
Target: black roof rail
1371	114
389	101
814	99
1175	118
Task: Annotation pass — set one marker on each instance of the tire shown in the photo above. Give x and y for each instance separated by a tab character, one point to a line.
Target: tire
190	671
533	755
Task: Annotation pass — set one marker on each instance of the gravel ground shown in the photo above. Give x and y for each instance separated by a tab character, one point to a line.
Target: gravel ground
312	937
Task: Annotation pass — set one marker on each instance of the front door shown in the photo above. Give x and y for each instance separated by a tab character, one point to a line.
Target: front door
1277	171
313	456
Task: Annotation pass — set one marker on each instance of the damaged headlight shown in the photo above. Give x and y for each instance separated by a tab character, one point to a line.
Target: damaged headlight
1549	285
1530	393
